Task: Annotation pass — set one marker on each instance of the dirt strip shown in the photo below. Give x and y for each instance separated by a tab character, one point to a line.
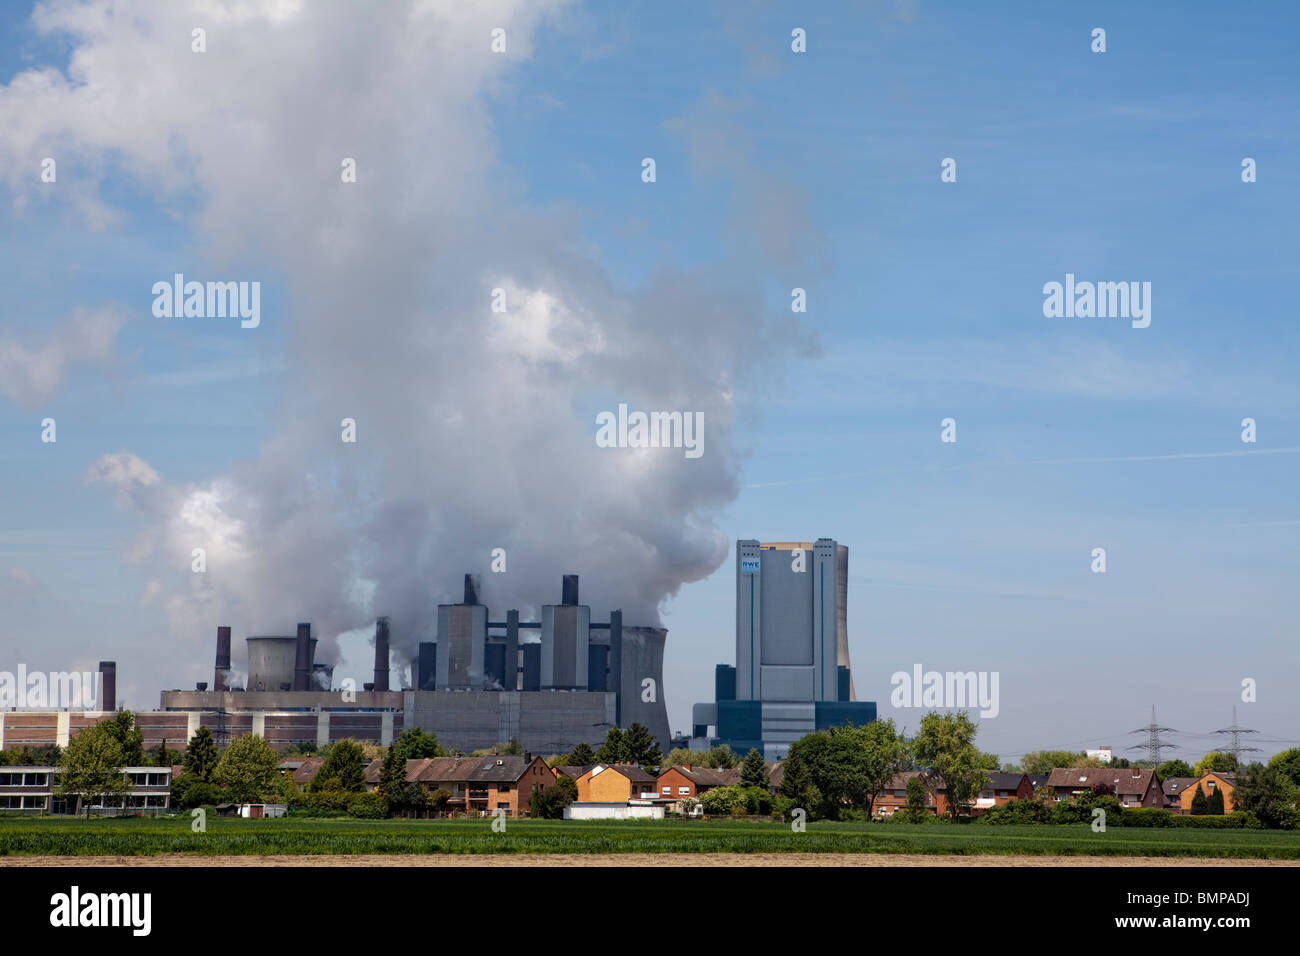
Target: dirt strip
638	859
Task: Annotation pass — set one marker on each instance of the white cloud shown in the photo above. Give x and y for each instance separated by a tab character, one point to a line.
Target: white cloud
32	370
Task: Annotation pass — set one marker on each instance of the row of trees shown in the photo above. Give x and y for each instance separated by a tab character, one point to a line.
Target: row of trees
844	769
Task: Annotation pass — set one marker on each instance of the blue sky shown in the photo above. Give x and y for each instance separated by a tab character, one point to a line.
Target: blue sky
821	170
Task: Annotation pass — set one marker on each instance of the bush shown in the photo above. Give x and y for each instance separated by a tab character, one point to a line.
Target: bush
1144	817
330	800
368	806
188	792
758	801
548	803
1016	812
723	800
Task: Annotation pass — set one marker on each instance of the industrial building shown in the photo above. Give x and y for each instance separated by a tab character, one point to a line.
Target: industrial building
792	674
551	684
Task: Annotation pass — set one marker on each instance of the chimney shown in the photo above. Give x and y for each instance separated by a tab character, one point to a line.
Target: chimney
223	659
108	685
302	658
570	595
381	654
472	584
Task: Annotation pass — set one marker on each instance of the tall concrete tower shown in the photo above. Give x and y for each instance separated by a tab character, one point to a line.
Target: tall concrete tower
462	641
566	636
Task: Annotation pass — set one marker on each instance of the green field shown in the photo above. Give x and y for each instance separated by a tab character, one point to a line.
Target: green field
51	836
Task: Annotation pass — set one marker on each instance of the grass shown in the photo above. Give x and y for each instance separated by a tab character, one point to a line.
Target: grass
135	836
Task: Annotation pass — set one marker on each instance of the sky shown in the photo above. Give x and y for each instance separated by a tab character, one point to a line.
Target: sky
774	170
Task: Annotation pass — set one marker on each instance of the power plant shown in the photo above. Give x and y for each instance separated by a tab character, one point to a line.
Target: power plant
552	683
792	674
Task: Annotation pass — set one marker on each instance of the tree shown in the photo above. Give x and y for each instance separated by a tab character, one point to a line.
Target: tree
548	803
92	766
721	757
1215	762
946	745
1103	789
1174	768
843	767
163	757
613	749
1288	762
640	748
121	727
1269	794
201	755
343	769
247	769
415	744
1214	804
1200	806
582	756
753	771
916	798
1043	762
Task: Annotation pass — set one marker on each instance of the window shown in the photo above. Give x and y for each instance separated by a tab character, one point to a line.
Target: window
682	791
668	791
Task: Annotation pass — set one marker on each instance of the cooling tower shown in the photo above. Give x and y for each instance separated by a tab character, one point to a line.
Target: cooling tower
272	660
641	679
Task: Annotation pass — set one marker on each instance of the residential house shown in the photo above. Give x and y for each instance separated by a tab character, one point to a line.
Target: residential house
1134	786
572	771
301	769
616	783
1208	783
894	795
684	782
1002	788
1172	788
477	784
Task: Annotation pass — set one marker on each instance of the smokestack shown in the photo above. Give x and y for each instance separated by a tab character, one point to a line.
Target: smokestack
471	589
108	685
570	589
302	658
381	654
223	659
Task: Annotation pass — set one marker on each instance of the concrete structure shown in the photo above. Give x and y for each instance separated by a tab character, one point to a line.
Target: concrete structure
792	674
629	810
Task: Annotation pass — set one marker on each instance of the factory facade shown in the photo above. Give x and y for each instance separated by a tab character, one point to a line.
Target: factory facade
792	674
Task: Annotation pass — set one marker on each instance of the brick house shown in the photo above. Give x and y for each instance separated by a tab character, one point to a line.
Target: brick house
1209	782
685	782
894	796
1172	788
1002	788
615	783
1134	786
477	784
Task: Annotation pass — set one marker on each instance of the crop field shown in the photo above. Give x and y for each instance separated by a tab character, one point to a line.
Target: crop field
129	837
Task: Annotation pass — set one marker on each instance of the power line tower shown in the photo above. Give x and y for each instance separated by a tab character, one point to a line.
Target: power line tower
1154	744
1235	732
